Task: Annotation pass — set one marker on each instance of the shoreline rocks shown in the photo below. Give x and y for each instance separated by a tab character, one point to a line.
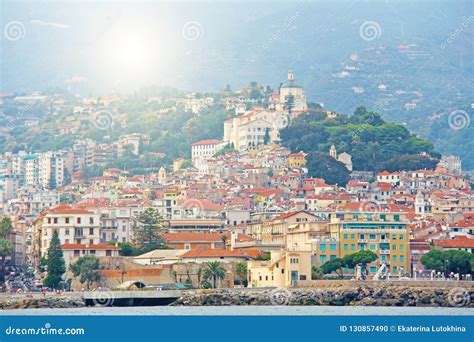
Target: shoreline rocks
351	294
40	302
383	295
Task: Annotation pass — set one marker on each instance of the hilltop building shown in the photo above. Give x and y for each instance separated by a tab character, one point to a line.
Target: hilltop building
344	157
290	88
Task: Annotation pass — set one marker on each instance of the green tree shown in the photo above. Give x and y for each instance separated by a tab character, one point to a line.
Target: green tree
214	272
316	273
323	166
6	247
148	228
55	263
126	249
289	103
448	261
359	258
241	271
433	260
266	138
335	265
86	268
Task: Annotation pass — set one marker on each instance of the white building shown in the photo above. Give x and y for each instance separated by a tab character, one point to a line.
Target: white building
203	150
74	226
290	88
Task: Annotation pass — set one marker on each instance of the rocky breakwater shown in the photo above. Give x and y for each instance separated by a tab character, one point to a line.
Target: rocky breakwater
36	301
383	295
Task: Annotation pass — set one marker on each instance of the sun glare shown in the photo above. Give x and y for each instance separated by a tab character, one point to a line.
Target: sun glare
129	52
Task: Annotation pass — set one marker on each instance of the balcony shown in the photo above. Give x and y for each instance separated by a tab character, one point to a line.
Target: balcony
385	251
362	240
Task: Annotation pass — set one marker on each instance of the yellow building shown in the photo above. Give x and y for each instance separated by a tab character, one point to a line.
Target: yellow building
297	160
385	234
275	230
285	268
300	237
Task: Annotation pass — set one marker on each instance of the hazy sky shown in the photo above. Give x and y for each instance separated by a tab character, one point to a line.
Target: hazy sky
102	46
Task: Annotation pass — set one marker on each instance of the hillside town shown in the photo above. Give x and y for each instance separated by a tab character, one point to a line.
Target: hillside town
244	201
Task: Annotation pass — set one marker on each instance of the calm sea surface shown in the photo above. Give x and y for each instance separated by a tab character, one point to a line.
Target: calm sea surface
246	310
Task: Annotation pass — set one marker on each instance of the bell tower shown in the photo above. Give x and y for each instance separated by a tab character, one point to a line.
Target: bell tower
291	75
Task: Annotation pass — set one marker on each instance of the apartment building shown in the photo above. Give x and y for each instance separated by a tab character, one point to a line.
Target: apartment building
383	233
74	226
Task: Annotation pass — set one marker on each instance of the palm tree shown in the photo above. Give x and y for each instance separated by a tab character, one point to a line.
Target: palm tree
214	271
241	271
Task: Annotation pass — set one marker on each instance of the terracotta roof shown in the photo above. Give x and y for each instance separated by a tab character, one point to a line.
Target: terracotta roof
458	242
67	210
216	253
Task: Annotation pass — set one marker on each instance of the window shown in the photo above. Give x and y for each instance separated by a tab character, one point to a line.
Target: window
353	236
66	232
402	258
402	247
67	219
55	220
91	220
345	236
332	257
76	252
302	277
108	253
322	258
92	252
362	236
372	236
79	220
91	231
332	247
322	247
401	236
346	247
394	258
353	247
49	219
372	247
282	271
394	236
373	269
394	247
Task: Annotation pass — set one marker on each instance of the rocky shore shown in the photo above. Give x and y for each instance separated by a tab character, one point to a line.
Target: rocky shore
326	293
52	301
364	296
